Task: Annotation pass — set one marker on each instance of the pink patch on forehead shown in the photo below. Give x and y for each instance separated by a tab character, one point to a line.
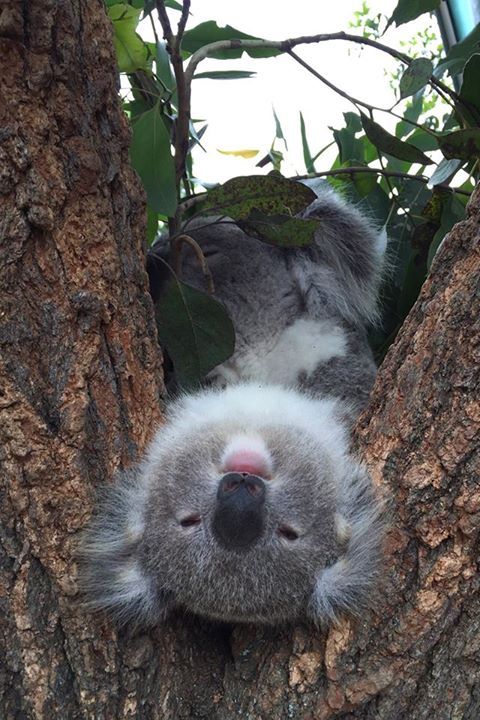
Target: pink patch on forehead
247	461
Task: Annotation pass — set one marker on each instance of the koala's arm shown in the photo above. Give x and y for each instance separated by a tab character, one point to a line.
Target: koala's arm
111	577
341	271
347	586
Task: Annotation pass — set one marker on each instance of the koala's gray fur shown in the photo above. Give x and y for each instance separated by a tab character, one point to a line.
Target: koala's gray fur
301	371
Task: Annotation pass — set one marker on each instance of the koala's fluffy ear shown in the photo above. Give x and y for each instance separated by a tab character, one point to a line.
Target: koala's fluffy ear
346	586
111	575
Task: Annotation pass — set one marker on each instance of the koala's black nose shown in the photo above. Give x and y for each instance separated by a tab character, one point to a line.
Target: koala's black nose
238	518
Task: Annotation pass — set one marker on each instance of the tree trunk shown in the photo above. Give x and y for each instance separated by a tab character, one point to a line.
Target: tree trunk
80	390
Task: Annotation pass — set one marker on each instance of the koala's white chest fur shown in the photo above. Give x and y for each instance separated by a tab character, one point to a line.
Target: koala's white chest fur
296	350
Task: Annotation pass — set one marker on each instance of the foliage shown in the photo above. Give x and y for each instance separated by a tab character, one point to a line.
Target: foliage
382	172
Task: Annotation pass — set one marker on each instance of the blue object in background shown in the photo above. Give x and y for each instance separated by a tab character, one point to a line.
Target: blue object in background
465	14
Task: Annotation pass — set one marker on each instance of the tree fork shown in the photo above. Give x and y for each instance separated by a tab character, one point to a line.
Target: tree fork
80	395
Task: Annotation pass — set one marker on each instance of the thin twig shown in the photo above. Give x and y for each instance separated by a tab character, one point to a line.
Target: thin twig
386	173
177	244
164	21
286	45
352	99
182	23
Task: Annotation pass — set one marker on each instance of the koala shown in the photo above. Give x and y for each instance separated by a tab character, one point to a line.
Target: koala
300	315
248	505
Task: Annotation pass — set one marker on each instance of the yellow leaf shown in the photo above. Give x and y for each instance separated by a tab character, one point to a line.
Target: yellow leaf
239	153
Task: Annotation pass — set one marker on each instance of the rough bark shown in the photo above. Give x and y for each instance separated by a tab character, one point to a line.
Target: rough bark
79	365
80	386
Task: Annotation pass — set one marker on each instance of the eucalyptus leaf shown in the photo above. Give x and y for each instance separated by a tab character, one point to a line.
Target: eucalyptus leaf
195	329
452	212
353	121
307	156
152	226
445	169
280	230
464	144
164	68
423	140
209	32
351	149
391	145
364	183
270	194
470	90
415	77
278	129
149	5
459	54
224	75
411	115
132	52
408	10
151	157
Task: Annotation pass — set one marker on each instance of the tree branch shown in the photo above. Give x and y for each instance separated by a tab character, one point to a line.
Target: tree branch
183	93
286	45
352	99
182	23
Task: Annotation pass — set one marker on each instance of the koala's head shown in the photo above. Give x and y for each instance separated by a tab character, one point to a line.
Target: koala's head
246	508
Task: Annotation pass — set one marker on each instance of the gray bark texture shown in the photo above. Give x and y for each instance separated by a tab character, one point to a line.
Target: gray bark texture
80	394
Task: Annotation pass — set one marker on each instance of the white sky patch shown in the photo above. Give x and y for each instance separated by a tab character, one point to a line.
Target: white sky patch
239	112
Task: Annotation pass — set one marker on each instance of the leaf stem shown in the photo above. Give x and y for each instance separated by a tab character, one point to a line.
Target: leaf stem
177	244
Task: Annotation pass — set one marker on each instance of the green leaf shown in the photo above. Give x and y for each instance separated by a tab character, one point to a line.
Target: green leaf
364	183
278	130
412	113
132	52
464	144
415	76
174	5
273	156
423	140
445	170
164	68
152	226
152	159
280	230
408	10
136	107
224	75
377	205
470	90
209	32
414	278
350	147
195	329
307	156
149	5
459	54
391	145
270	194
353	121
452	212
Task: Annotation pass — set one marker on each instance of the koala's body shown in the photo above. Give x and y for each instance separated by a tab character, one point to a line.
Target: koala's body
249	506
